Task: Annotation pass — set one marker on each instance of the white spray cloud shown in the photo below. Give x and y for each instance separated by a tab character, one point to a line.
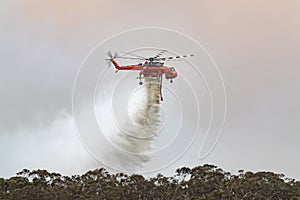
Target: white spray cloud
131	139
55	146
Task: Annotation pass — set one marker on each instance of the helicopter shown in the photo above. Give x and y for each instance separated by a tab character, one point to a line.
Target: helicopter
149	67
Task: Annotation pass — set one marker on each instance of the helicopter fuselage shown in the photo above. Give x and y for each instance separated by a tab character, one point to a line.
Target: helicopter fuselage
150	69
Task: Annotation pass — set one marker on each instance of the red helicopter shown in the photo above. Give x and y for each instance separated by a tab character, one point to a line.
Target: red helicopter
152	67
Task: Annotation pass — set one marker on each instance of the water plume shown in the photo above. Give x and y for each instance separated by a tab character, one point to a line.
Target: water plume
137	137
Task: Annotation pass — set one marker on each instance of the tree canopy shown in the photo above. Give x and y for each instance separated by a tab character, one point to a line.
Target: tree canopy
201	182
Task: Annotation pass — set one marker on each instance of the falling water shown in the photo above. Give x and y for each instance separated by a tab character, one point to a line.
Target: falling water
137	137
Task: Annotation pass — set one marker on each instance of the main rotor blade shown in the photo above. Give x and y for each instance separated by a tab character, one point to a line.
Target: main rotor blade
160	53
131	58
174	57
141	57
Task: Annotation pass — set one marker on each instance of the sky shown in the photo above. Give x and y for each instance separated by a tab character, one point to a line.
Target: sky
254	44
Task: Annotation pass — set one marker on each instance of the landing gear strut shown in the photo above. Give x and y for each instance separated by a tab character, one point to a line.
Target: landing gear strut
140	77
160	89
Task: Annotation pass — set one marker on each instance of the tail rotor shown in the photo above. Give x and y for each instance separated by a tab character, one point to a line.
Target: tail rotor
111	57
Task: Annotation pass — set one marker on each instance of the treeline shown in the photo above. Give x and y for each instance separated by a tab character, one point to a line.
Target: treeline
201	182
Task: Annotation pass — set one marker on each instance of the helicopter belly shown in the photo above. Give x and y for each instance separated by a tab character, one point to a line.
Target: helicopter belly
170	76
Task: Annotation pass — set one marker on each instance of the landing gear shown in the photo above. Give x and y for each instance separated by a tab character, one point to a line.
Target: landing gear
140	77
160	88
171	81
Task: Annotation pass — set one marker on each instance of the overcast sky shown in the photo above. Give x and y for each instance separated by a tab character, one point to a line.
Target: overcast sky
255	44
